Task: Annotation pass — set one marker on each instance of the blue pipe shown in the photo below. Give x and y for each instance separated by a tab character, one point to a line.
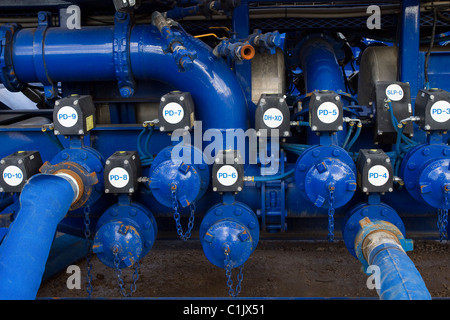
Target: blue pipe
87	54
44	202
399	278
320	66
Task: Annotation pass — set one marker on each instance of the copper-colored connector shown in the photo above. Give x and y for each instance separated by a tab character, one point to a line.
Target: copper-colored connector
247	52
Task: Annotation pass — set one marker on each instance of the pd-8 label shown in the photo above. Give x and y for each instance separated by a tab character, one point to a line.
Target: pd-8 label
378	175
67	117
328	112
227	175
118	177
173	113
273	118
13	176
440	111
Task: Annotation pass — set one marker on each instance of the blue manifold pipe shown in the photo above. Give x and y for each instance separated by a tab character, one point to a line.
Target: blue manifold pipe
322	70
399	278
44	202
87	54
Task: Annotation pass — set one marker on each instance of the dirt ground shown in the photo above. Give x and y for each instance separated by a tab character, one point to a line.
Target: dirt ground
276	269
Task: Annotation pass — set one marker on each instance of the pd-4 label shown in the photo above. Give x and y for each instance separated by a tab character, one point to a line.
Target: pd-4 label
378	175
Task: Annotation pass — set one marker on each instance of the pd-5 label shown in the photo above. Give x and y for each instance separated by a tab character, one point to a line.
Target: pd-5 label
328	112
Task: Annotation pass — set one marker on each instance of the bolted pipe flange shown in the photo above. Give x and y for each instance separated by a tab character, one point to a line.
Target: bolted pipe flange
119	238
366	218
425	171
321	169
128	226
233	232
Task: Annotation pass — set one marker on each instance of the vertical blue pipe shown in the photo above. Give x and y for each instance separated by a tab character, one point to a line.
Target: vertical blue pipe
409	46
44	201
320	66
399	278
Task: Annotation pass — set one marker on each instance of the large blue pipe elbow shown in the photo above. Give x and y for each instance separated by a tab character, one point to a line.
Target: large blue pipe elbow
44	201
399	278
87	54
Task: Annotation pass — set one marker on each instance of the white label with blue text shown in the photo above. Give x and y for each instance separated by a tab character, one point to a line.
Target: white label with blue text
227	175
13	176
394	92
67	117
273	118
440	111
118	177
378	175
328	112
173	113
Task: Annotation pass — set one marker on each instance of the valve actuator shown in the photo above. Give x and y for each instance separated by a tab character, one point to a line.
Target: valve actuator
74	115
176	111
375	173
17	168
433	108
122	171
228	172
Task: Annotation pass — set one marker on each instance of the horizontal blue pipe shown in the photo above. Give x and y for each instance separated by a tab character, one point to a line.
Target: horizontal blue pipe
87	55
399	278
44	202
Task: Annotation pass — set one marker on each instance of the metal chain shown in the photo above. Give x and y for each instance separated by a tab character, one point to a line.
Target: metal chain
118	272
331	214
240	276
176	216
87	235
443	216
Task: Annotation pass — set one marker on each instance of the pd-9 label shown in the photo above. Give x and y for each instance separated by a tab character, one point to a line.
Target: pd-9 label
13	176
378	175
67	117
173	113
328	112
273	118
440	111
118	177
227	175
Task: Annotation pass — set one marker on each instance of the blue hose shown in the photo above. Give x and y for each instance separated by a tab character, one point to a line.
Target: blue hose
271	178
44	202
399	278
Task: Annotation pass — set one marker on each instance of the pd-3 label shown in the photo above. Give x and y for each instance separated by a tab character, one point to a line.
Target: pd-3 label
440	111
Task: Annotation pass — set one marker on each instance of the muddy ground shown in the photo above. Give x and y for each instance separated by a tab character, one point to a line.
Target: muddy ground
276	269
